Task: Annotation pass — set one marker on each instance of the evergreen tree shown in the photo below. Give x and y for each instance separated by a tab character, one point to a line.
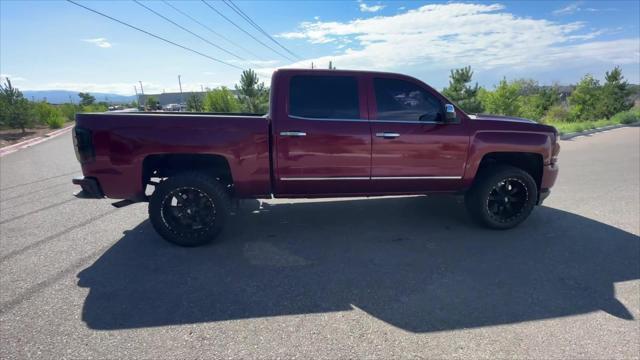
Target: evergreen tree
464	95
252	93
613	98
15	110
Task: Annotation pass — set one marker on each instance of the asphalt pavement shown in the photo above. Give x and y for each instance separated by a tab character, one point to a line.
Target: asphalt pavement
392	277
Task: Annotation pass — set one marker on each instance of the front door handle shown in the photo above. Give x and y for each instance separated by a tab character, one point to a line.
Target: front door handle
387	135
293	133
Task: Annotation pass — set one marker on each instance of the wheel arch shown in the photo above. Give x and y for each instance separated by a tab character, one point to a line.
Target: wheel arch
170	164
530	162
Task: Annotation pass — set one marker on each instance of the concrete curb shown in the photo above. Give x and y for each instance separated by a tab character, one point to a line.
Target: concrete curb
596	130
37	140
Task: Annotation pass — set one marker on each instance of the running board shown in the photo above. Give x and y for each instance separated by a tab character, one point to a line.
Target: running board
127	202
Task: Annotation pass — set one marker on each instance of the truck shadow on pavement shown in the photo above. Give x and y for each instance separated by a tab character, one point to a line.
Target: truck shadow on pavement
416	263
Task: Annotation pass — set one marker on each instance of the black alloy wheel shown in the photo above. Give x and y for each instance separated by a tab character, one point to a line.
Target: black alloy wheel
189	209
507	199
501	197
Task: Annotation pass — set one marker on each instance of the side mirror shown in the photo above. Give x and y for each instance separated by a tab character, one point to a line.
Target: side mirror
450	113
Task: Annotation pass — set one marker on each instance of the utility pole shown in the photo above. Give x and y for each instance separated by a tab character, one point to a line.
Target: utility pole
142	91
135	88
201	88
180	84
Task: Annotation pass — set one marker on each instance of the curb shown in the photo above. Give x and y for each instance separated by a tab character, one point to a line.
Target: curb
37	140
596	130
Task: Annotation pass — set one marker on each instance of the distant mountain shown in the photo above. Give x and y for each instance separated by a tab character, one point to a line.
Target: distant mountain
64	96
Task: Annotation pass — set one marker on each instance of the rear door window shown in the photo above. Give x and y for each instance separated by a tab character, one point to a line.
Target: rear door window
324	97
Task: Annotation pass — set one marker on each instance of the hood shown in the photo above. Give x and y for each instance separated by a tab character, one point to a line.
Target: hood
501	118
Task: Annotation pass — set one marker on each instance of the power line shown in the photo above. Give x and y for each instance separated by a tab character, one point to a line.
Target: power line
242	14
211	30
244	31
187	30
156	36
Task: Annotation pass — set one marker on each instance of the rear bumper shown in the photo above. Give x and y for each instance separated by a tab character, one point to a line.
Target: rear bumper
90	188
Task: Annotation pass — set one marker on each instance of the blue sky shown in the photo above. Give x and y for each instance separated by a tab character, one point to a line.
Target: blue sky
56	45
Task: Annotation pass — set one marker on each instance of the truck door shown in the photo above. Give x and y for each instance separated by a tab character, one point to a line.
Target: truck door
322	138
413	149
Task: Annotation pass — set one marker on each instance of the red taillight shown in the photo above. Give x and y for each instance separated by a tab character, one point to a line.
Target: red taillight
83	144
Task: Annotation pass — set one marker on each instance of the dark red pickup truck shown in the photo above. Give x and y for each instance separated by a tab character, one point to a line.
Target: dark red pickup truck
328	133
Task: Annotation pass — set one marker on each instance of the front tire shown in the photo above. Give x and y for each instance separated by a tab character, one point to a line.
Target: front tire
189	209
502	197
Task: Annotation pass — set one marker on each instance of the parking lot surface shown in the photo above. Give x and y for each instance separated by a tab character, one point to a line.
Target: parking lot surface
331	278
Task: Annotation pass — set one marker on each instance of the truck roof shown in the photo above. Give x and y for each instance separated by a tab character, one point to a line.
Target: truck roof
333	71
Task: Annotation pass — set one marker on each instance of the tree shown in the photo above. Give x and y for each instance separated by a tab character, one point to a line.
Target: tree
86	99
152	103
252	94
15	110
194	103
465	96
536	100
221	100
613	98
584	100
504	100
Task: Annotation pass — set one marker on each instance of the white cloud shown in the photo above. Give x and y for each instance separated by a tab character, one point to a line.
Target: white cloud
567	10
99	42
13	78
370	8
458	34
575	7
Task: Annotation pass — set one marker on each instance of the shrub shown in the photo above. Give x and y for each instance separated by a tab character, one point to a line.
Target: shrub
556	113
95	108
69	111
221	100
194	103
627	117
56	121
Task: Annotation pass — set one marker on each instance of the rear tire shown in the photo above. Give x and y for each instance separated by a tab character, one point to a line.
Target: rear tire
189	209
502	197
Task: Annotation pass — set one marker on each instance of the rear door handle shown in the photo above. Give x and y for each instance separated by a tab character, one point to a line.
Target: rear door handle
387	135
293	133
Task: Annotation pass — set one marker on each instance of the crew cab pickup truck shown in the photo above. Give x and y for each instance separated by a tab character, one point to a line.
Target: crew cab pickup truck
328	133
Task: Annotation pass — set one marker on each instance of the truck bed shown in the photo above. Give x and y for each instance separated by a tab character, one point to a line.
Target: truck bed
122	142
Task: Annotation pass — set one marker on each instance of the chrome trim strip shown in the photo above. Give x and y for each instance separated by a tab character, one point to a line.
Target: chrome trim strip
365	120
406	122
372	178
416	177
293	133
323	178
387	135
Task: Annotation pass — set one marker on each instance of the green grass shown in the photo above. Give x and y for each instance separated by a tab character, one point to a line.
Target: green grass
626	117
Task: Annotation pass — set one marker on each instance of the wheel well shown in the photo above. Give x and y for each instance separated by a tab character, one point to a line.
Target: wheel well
168	165
529	162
